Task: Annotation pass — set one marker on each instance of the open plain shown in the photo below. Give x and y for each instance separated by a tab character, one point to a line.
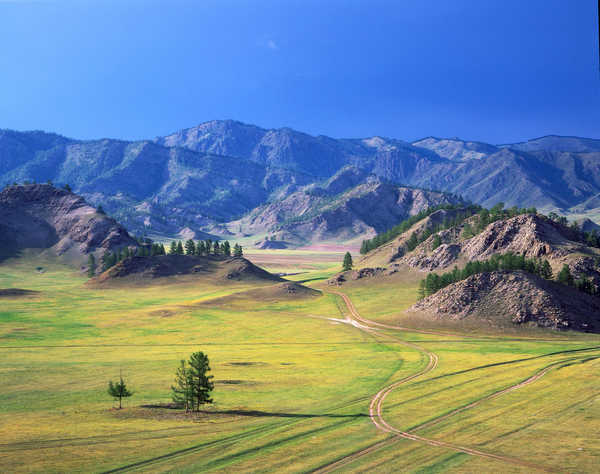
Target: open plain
324	383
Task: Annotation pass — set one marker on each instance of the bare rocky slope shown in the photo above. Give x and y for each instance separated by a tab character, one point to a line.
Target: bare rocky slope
40	216
349	204
513	298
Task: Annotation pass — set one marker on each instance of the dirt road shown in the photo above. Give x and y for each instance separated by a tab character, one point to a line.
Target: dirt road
376	406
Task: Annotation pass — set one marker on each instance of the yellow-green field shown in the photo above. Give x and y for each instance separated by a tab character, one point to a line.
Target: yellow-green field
294	380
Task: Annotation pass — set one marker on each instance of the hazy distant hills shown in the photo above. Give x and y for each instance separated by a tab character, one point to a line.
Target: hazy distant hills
349	204
220	171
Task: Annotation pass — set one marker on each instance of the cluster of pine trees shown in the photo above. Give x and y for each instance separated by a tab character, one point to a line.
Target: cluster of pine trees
149	249
206	247
110	259
508	261
192	383
391	234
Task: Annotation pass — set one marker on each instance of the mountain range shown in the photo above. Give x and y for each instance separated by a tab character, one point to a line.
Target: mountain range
227	177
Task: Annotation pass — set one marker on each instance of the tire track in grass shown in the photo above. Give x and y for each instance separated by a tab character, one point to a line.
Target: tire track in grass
376	406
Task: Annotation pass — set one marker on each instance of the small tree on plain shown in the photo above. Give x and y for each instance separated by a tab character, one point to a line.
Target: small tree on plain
347	264
201	383
119	390
91	265
421	290
182	390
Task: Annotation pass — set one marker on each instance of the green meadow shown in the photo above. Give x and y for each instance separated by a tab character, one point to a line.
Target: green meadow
293	380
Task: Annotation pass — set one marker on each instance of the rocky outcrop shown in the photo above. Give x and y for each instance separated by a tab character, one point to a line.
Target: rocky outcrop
40	216
367	273
517	298
531	235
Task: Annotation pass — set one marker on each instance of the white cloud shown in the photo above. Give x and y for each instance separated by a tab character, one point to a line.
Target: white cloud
266	42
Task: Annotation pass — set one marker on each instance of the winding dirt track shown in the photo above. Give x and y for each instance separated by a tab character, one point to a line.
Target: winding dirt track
376	406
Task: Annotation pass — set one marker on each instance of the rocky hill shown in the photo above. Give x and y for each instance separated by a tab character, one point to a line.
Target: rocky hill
40	216
531	235
219	171
142	270
513	298
349	204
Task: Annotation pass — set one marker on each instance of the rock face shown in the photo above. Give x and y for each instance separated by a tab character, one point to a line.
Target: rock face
504	298
40	216
146	269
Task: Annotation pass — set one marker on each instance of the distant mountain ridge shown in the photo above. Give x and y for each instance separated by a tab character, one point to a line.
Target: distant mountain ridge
220	171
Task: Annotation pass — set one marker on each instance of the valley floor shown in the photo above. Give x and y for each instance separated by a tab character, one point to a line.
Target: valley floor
332	383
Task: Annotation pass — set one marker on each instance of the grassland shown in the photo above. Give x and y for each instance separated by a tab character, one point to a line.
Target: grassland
294	380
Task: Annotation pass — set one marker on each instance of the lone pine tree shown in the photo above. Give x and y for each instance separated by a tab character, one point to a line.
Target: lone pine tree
119	390
347	265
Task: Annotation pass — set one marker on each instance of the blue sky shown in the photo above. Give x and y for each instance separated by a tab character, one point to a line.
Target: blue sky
490	70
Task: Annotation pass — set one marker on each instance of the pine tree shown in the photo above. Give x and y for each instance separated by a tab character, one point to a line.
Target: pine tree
200	250
467	232
173	248
237	250
179	250
564	276
100	210
363	247
421	290
190	247
436	242
118	390
412	242
182	390
200	383
67	188
216	248
545	270
347	264
226	249
91	265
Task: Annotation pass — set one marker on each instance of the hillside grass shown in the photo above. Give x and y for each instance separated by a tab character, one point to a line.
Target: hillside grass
293	382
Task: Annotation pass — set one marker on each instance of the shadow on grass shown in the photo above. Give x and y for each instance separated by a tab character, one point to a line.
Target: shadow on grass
259	413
